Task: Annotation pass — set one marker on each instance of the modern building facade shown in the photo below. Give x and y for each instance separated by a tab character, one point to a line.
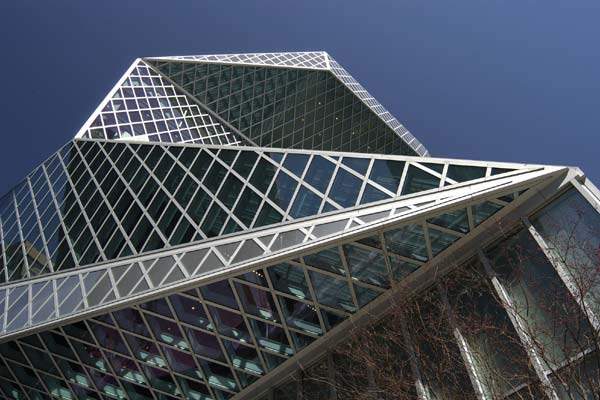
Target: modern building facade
222	224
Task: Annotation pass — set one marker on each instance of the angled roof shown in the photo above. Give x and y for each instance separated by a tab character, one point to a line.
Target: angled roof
290	110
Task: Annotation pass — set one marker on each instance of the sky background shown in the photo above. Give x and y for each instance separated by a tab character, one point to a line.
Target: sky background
489	80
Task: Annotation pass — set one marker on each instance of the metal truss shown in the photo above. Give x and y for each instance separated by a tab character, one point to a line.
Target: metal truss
39	302
95	201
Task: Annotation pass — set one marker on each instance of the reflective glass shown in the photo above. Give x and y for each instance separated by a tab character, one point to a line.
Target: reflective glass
306	204
296	163
319	173
571	228
282	190
345	188
387	173
332	292
204	344
271	337
243	357
219	292
367	265
290	279
484	210
230	324
300	315
418	180
408	241
328	260
359	165
440	240
540	298
190	311
456	220
372	194
462	173
257	302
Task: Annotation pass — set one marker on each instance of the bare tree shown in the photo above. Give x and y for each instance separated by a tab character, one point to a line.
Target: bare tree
519	322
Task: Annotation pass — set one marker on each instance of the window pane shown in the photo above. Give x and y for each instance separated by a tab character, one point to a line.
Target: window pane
418	180
387	173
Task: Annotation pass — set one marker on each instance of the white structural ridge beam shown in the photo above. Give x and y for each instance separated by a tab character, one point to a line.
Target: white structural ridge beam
303	59
67	296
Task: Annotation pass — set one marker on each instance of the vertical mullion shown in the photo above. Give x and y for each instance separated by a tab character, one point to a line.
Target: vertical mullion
564	274
519	326
465	351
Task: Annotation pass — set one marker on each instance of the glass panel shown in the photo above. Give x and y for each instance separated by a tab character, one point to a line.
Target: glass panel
328	260
300	316
359	165
268	215
500	361
257	302
319	173
245	162
243	357
440	240
190	311
462	173
483	211
365	295
230	324
345	188
367	265
219	292
282	190
571	228
540	298
372	194
401	268
306	204
290	279
204	344
247	206
145	350
230	190
418	180
332	292
166	331
387	173
182	363
214	221
408	241
456	220
263	175
296	163
271	337
441	364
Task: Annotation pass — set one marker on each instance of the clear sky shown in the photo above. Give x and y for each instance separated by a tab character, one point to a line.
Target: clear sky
481	79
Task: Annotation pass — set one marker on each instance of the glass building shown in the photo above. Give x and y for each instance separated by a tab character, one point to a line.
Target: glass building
220	223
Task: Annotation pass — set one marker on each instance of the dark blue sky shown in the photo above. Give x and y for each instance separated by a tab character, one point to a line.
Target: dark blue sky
497	80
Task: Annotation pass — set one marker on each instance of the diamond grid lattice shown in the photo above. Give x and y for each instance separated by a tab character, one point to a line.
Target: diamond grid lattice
317	60
148	107
133	270
376	107
98	286
94	201
221	337
199	74
287	108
